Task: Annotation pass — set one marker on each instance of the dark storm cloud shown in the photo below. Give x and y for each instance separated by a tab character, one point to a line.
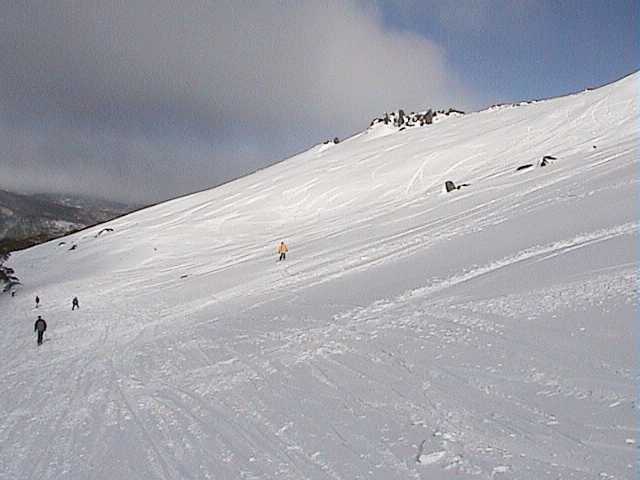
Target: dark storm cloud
141	100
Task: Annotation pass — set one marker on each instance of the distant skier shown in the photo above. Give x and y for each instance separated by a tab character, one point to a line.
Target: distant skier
37	301
40	327
75	303
282	250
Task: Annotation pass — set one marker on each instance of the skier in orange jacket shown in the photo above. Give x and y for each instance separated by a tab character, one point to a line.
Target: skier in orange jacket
282	250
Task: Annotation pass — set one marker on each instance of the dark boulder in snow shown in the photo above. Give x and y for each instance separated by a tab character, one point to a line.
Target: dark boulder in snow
104	230
428	117
546	159
450	186
524	167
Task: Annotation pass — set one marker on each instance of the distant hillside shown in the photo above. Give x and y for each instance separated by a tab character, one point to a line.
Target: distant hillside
27	220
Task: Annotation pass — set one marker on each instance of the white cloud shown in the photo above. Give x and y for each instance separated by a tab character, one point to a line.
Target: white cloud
178	76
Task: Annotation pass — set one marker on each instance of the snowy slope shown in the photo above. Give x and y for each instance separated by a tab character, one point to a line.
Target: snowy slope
484	333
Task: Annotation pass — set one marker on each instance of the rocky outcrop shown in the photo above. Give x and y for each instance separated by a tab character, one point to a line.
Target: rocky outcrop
403	120
449	186
526	166
8	280
546	160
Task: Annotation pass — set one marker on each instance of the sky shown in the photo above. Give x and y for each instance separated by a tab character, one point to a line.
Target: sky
145	100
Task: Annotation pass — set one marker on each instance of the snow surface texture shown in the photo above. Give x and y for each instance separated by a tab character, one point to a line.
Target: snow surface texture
484	333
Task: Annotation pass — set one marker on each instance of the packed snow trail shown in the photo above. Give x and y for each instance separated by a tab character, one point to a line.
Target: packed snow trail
485	333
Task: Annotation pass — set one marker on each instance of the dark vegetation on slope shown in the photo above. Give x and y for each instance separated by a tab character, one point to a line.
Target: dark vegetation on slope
8	279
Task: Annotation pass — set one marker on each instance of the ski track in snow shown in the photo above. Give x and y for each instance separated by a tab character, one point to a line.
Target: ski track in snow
410	334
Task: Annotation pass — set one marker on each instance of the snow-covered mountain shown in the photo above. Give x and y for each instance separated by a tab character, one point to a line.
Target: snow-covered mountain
484	333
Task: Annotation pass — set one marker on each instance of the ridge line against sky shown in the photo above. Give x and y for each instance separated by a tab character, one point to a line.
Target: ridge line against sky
147	100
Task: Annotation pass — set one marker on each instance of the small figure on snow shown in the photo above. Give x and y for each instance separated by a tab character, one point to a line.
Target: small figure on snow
40	327
282	250
75	303
37	301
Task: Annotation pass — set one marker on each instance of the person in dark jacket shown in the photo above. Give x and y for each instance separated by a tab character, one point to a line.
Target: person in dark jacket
37	301
40	327
75	303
